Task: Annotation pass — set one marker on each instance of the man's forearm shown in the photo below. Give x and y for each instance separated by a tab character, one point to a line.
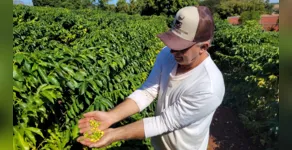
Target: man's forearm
131	131
123	110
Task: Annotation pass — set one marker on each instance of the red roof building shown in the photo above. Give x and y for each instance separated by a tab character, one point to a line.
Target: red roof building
269	22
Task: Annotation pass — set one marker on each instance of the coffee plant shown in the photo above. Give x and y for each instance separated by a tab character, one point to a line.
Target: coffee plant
69	62
249	60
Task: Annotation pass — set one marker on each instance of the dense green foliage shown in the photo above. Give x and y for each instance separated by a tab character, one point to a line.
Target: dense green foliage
249	59
70	62
67	62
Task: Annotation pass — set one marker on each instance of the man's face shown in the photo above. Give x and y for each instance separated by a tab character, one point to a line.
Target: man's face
188	55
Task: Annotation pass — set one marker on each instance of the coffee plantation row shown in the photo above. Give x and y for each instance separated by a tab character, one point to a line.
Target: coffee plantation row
70	62
67	62
249	59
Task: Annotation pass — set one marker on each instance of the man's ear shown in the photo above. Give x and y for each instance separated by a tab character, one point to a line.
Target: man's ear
204	47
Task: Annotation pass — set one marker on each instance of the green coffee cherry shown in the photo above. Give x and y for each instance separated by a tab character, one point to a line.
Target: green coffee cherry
96	134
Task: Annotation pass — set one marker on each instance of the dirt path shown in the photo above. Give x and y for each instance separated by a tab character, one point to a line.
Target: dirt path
227	133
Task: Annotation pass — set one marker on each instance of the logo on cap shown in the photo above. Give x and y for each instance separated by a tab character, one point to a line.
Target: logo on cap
178	24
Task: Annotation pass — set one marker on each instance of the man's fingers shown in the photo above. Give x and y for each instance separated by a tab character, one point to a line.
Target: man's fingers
100	143
83	124
85	120
90	114
84	141
87	129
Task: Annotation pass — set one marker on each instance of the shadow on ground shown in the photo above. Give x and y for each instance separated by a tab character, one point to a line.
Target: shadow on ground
227	133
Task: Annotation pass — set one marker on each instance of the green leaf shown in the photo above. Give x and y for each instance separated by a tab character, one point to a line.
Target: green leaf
88	94
102	107
27	66
68	69
75	107
83	73
70	85
50	87
69	114
18	84
60	73
93	85
107	102
16	89
35	67
40	88
99	83
42	109
22	105
20	139
83	87
30	136
81	106
87	101
91	108
36	130
96	105
117	78
37	101
24	118
66	139
18	57
43	74
79	76
15	142
48	95
75	132
53	80
76	85
72	111
17	75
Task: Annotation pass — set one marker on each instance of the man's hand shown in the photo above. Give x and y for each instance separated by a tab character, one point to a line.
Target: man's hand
104	118
107	139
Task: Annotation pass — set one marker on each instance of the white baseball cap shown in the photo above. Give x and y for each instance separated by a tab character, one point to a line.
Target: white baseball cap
190	26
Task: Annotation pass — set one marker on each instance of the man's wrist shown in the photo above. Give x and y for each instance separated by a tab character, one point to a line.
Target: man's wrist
119	134
112	117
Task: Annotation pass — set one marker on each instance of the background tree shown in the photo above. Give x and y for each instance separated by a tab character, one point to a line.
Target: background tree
268	7
122	6
71	4
165	7
135	7
211	4
249	15
51	3
227	8
103	4
236	7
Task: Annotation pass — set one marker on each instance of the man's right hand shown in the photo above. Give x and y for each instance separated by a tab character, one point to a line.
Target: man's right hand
104	118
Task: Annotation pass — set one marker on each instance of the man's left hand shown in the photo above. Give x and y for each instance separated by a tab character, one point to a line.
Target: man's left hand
107	139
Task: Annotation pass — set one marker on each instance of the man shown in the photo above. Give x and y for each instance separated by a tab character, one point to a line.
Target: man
187	82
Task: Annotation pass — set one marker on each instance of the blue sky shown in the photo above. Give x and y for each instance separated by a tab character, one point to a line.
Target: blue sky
29	2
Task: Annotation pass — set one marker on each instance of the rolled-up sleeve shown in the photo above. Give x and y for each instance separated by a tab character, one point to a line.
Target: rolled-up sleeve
149	89
188	109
